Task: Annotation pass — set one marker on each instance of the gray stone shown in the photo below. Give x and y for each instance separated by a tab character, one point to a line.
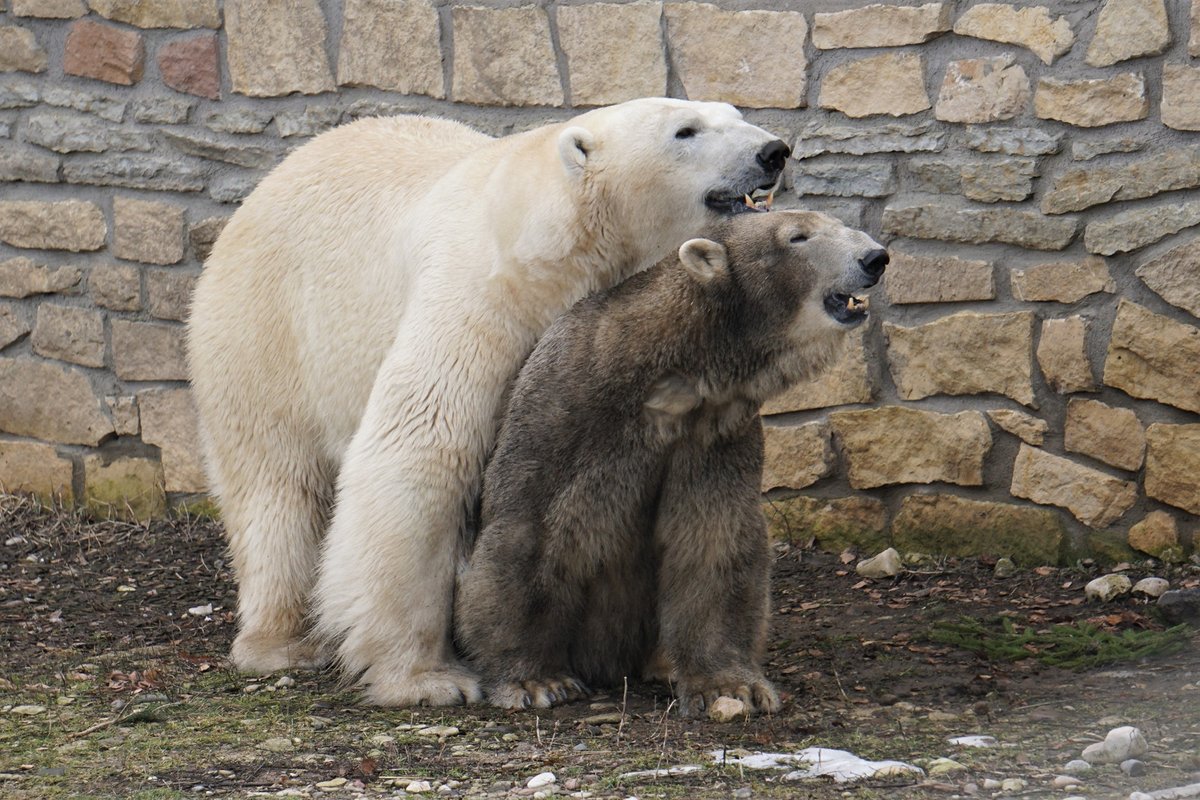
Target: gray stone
1087	150
309	122
962	354
1062	281
1181	97
391	45
817	138
1167	170
955	526
976	226
983	90
116	286
230	152
49	401
233	188
13	324
161	110
1012	141
1112	435
842	179
169	292
892	84
147	231
1092	103
20	51
240	120
74	225
375	108
504	57
1154	357
985	181
1194	38
73	133
69	334
169	422
897	444
600	73
881	25
1180	605
18	93
103	106
275	49
21	277
1130	230
1175	276
914	278
1173	465
148	351
137	172
1129	29
709	48
1093	497
1062	356
18	163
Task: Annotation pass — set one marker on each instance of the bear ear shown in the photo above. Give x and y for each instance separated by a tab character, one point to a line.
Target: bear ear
575	144
703	258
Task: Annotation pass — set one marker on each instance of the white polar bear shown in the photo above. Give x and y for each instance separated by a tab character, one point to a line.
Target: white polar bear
358	323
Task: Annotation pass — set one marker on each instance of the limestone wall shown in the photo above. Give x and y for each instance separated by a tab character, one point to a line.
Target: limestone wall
1029	382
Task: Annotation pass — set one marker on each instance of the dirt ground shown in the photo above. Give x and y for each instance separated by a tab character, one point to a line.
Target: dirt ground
113	684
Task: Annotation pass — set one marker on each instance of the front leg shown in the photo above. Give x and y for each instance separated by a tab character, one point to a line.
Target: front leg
714	592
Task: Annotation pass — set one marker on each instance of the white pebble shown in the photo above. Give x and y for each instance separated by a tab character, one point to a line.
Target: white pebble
885	565
285	682
1077	767
201	611
1151	587
416	787
1012	785
1106	587
1063	781
540	780
1124	743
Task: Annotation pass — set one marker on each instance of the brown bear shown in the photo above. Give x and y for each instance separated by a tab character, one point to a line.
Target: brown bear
620	527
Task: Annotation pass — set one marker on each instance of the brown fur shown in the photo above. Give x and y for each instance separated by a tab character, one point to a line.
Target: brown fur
621	520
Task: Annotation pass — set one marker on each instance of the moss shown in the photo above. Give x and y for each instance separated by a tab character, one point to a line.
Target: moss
954	526
833	524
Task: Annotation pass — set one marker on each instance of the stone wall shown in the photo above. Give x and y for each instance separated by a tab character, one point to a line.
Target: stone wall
1029	382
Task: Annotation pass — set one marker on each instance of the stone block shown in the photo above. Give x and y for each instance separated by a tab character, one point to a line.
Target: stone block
35	469
1087	150
983	90
844	179
1157	534
847	381
797	455
203	235
1168	169
74	225
161	110
818	138
309	122
962	354
1062	355
160	13
77	133
21	277
103	106
137	172
1092	103
834	524
1025	427
27	164
1181	97
20	51
1129	29
977	226
1130	230
914	278
13	324
1012	141
191	65
238	153
169	292
241	120
50	401
504	57
1093	497
104	52
391	45
1062	281
615	52
148	351
1031	27
955	526
711	51
896	444
1175	276
274	48
880	25
124	412
70	334
169	422
990	181
125	487
1154	357
147	231
892	83
1112	435
1173	465
49	9
1194	36
116	286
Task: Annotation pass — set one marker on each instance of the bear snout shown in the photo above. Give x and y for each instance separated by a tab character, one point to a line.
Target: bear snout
773	156
873	264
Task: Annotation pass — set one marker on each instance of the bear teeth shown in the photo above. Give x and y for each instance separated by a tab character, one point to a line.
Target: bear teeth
857	303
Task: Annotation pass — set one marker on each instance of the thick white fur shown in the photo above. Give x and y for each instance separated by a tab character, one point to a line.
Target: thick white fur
358	323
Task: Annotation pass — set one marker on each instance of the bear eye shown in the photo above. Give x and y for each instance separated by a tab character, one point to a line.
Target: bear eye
685	133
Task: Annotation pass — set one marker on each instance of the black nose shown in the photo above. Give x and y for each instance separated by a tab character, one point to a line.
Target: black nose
774	155
874	262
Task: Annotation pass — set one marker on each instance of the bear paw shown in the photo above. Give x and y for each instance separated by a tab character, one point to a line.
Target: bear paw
259	654
695	696
450	686
542	693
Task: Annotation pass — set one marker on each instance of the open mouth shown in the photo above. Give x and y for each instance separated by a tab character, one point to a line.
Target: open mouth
730	203
846	308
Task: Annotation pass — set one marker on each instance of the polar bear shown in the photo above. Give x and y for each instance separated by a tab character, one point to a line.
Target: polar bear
354	332
621	519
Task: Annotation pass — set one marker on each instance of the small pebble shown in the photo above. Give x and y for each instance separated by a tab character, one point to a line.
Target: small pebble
1077	767
540	780
277	744
201	611
27	711
991	784
1151	587
1133	768
1012	785
1005	568
944	766
416	787
285	682
1106	587
1065	781
726	709
440	731
885	565
743	792
332	783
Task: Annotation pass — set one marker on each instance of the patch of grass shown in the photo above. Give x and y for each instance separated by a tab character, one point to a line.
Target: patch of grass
1071	646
